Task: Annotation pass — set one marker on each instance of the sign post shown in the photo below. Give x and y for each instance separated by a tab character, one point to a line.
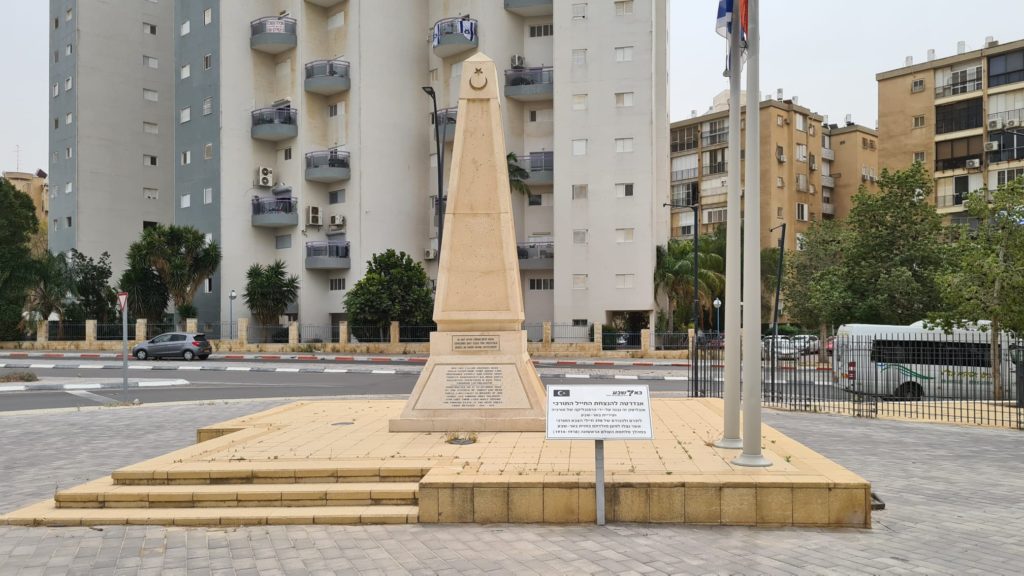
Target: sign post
122	304
599	412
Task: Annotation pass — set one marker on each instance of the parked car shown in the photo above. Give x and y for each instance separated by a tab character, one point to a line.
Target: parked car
784	347
187	345
807	343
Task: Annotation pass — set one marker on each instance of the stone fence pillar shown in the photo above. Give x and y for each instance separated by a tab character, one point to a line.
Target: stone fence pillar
43	331
547	333
691	343
396	334
141	327
645	341
243	331
293	333
90	331
343	336
191	325
598	337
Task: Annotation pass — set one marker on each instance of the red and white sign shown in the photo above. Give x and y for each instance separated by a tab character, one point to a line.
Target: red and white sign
122	300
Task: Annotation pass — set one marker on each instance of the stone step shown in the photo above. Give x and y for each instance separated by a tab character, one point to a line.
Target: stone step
264	472
46	514
104	493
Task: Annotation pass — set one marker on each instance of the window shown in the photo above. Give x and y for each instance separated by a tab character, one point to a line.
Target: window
68	221
624	54
579	236
208	16
55	221
207	106
801	122
68	50
801	152
801	211
68	153
542	30
185	114
207	195
336	197
150	128
1006	68
186	27
207	61
56	123
801	182
336	284
579	11
780	182
623	7
56	24
148	28
186	157
951	154
68	118
208	288
779	120
715	215
150	62
579	191
1004	176
579	147
283	242
533	115
917	86
962	115
623	145
542	283
150	95
579	281
579	101
778	212
68	188
579	56
56	56
624	280
919	121
332	110
68	14
186	200
288	153
623	235
207	151
186	71
151	193
148	160
535	199
624	99
624	190
68	83
56	90
919	157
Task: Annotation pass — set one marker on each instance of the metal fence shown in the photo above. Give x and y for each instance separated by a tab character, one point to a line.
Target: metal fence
113	331
568	332
415	333
381	333
157	329
269	334
318	333
534	331
66	331
671	340
620	340
219	330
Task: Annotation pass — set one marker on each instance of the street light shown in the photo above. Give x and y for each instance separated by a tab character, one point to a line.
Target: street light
696	284
231	313
429	90
718	317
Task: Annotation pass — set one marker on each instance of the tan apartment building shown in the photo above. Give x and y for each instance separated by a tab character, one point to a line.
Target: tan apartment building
810	170
36	187
962	116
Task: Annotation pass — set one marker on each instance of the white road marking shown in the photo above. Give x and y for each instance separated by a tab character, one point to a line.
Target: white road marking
625	377
45	366
134	367
162	383
239	368
676	377
90	366
286	370
12	388
335	370
90	396
90	386
383	372
577	375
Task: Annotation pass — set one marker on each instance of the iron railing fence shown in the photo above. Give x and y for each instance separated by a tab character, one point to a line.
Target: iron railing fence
415	333
112	331
534	331
372	333
220	330
336	68
267	334
66	331
571	333
671	340
318	333
620	340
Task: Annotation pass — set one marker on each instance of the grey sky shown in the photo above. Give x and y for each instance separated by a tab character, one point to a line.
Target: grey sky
824	51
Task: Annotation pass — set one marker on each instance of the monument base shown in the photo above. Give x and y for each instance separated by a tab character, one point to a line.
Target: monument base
475	382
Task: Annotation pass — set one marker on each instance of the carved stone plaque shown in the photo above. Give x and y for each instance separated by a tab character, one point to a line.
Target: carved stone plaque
482	342
473	386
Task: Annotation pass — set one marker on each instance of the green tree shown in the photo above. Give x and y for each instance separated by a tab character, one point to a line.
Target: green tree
52	292
18	222
673	277
395	287
815	286
986	280
894	250
183	259
268	291
91	279
517	175
147	292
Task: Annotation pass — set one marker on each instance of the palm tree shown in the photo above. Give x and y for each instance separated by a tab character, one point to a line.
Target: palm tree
147	293
184	260
517	175
269	291
673	276
52	291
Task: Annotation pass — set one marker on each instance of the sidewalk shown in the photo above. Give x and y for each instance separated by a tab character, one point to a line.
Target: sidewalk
949	494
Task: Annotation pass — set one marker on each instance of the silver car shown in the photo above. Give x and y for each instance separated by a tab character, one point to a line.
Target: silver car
784	347
186	345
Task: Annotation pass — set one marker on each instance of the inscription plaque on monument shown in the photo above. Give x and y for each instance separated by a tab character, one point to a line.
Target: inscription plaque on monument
465	343
473	386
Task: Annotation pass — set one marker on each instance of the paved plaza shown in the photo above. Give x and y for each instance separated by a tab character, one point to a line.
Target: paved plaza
953	497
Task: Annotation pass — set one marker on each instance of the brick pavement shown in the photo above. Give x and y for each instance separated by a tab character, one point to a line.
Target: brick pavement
953	499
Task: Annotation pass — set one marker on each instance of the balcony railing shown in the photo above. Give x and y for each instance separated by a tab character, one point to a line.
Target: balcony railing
273	34
275	212
828	208
446	117
972	84
715	168
682	231
951	200
529	8
454	35
715	139
275	124
328	166
685	174
327	77
530	84
1013	119
541	166
327	255
828	154
536	255
684	144
1006	155
955	163
683	199
828	181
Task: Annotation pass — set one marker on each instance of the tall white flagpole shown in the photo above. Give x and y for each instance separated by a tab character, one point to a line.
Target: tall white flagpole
752	455
731	393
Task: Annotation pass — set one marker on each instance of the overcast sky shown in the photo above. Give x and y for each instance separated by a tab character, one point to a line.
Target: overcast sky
827	52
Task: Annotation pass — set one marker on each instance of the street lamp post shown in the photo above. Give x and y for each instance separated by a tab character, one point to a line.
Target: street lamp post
696	285
718	316
231	313
429	90
778	289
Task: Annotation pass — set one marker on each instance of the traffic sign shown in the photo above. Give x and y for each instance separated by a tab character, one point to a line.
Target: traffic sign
122	300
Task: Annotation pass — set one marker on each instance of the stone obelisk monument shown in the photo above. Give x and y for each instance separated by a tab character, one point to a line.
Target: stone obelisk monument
479	376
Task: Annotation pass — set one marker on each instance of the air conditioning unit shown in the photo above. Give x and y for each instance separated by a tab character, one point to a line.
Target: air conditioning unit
992	146
782	158
1013	123
337	220
518	61
995	124
974	163
429	254
265	176
313	217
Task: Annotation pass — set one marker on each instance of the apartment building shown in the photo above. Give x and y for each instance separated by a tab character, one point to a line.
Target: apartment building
810	169
110	127
962	116
306	136
35	185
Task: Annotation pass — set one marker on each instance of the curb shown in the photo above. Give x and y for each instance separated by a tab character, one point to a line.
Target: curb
34	387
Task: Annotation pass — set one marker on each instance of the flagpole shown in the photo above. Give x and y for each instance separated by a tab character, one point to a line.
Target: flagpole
731	393
752	455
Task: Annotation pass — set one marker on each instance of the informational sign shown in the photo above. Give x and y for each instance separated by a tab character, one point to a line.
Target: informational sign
599	412
274	27
463	343
122	300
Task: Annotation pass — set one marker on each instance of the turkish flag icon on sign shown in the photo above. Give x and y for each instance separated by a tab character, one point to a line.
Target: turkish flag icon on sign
122	300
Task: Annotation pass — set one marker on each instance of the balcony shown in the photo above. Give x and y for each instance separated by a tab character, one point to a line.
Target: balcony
541	166
828	209
686	174
682	199
536	255
828	154
446	117
272	34
327	166
277	212
453	36
714	168
716	139
530	84
828	181
327	256
327	77
325	3
275	124
530	8
1010	119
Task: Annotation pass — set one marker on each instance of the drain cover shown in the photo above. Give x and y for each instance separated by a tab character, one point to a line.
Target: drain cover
342	424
